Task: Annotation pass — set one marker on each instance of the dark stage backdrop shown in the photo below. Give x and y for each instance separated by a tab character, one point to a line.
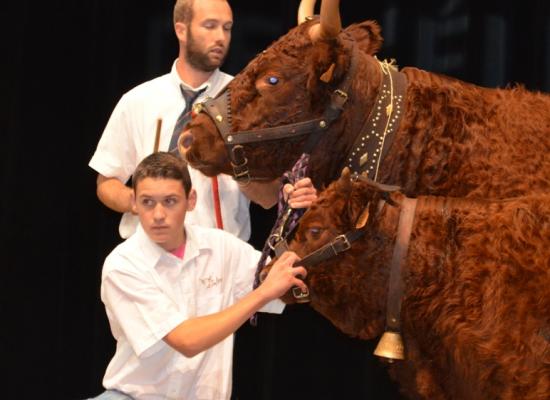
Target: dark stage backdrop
66	63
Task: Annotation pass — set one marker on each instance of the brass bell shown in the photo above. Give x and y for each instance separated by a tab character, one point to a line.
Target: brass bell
390	346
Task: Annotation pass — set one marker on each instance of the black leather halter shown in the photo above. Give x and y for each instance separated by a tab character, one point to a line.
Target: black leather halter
219	110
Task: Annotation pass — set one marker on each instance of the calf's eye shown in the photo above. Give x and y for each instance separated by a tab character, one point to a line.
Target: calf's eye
273	80
315	232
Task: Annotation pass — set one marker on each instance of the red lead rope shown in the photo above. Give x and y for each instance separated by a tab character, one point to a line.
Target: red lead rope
217	207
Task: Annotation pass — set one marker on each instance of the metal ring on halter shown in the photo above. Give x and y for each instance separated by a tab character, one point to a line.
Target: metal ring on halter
239	164
272	240
300	295
276	237
179	145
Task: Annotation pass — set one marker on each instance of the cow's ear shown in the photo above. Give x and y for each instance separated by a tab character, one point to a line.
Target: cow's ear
328	63
328	74
367	36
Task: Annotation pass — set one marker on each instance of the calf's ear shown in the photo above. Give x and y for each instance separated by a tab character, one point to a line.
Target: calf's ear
346	173
357	209
363	217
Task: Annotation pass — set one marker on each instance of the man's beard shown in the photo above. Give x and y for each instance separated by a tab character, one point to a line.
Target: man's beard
198	58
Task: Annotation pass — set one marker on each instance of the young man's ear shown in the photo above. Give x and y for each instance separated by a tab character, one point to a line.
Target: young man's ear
191	200
133	201
181	31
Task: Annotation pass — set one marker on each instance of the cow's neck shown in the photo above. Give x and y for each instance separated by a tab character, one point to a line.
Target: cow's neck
338	141
375	137
354	298
357	304
424	272
364	132
434	104
379	248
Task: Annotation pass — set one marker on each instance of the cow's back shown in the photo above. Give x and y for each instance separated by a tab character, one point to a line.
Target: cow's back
462	140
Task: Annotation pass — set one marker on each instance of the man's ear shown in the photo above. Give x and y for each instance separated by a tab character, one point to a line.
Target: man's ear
191	200
181	31
133	201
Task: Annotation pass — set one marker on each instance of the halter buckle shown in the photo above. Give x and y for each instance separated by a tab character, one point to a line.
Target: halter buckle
342	94
340	244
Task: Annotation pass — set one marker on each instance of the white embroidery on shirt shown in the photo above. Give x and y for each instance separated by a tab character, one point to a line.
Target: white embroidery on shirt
210	281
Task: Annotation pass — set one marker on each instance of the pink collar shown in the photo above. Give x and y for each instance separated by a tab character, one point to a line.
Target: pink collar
180	251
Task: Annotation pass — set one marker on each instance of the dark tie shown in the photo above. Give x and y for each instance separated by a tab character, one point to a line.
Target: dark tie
190	96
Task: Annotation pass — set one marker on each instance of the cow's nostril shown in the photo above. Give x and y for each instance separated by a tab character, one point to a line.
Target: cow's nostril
186	139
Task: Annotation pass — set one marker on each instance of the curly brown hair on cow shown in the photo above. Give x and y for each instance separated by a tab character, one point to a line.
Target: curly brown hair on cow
476	302
453	139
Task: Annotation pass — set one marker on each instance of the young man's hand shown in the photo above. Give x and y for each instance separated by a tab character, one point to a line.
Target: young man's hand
283	275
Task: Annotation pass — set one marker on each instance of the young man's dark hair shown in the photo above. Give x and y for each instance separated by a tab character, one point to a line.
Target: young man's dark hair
163	165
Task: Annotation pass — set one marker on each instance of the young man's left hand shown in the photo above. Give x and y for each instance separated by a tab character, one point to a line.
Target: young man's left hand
283	275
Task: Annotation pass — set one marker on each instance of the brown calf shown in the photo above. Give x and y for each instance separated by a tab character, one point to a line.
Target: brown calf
475	311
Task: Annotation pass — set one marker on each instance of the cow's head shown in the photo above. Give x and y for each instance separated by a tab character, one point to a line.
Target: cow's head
345	287
293	81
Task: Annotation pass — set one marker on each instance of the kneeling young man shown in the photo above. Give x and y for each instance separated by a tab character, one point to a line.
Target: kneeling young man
175	293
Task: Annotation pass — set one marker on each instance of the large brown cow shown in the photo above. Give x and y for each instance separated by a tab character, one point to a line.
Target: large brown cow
475	312
454	138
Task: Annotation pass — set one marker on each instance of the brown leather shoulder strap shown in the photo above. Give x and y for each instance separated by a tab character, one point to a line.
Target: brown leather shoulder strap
395	291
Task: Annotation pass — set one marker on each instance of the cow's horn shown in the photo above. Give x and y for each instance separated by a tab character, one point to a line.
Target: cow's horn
330	25
305	10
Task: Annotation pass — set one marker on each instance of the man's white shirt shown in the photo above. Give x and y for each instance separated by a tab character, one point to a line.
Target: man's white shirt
147	292
130	135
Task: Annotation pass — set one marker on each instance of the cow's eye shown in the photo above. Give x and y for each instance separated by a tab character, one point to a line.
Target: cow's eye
272	80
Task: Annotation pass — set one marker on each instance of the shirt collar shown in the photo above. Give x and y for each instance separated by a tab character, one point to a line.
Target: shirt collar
194	244
210	84
151	250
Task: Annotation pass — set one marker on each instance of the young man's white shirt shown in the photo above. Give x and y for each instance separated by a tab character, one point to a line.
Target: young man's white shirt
147	292
129	137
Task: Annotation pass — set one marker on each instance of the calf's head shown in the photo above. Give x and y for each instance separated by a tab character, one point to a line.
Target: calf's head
348	288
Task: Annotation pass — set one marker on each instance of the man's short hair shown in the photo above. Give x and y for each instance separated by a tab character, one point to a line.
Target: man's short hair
183	11
163	165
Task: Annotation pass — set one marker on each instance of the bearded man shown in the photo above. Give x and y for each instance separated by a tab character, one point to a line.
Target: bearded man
151	116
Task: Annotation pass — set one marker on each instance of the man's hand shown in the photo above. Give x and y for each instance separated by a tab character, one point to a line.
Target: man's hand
283	275
114	194
300	195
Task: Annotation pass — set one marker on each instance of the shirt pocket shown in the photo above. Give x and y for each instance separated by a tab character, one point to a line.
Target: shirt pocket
209	304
